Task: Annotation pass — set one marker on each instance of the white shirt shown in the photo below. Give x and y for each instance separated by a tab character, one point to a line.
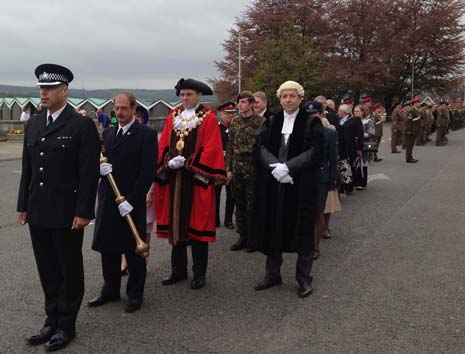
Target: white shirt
56	114
126	127
288	125
262	113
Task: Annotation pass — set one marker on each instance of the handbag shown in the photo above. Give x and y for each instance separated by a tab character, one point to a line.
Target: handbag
370	146
344	171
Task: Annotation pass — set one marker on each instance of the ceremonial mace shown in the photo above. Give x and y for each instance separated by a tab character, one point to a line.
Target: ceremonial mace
142	248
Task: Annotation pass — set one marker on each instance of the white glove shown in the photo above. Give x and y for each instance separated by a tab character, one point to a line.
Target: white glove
287	179
125	208
176	162
280	170
105	168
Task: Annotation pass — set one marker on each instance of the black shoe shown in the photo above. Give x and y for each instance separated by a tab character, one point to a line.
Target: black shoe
238	245
396	152
316	253
229	225
348	192
378	159
133	305
102	300
42	337
174	278
327	234
267	283
250	250
305	289
412	161
60	340
198	282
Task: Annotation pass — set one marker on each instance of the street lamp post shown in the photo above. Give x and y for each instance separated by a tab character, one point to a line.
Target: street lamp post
239	74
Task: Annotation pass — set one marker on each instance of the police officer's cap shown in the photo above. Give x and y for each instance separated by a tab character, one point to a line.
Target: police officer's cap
313	107
53	75
191	84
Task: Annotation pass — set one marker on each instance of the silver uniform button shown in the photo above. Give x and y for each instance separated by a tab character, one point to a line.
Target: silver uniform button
41	184
43	139
41	169
41	154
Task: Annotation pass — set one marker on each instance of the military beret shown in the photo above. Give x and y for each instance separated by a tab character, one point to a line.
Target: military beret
366	100
52	75
415	100
191	84
376	106
349	101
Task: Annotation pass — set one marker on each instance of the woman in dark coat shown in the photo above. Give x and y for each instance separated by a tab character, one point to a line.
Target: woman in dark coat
287	182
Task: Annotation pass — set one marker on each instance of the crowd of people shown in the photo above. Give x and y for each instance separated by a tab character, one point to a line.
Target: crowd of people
283	173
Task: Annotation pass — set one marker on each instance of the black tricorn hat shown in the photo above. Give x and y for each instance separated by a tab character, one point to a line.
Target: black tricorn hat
195	85
53	74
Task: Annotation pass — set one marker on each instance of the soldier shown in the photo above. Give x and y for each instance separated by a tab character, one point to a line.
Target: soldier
429	123
240	163
412	127
57	198
442	122
423	123
405	108
378	118
227	111
396	128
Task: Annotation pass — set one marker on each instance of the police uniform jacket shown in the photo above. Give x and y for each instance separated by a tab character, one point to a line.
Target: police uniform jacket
60	169
134	159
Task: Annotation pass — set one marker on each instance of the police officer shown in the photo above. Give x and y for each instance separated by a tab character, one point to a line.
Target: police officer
240	162
56	198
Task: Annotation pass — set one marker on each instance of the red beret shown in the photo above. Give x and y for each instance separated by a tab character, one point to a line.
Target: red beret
349	101
376	106
366	100
415	100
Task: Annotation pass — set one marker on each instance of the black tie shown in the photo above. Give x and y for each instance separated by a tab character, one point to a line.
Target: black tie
50	120
120	134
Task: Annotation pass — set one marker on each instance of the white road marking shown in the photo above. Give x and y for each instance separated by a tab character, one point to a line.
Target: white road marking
378	176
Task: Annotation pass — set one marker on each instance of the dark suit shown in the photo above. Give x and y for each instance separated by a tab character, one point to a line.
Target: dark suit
133	157
59	179
229	209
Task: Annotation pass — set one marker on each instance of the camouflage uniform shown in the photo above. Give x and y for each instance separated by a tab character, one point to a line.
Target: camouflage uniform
412	129
240	160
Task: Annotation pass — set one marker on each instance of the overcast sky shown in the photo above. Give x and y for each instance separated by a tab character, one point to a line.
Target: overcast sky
115	43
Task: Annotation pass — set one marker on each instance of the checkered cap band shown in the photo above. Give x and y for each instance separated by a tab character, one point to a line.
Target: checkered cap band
52	77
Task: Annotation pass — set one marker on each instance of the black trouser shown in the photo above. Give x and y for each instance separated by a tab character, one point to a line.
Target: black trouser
58	254
111	268
229	208
302	271
199	258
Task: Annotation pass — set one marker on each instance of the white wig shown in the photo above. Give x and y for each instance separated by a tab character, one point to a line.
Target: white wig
291	85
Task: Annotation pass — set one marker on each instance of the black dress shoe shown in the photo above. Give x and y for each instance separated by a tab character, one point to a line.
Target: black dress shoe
229	225
378	159
305	289
238	245
174	278
198	282
396	152
133	305
60	340
316	253
412	161
267	283
102	300
42	337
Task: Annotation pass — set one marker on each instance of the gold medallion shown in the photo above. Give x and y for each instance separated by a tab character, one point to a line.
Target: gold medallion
180	145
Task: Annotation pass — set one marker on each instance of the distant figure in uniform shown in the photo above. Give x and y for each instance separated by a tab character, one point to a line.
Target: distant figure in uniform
412	128
396	127
378	117
57	198
131	150
227	111
442	122
191	164
241	162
